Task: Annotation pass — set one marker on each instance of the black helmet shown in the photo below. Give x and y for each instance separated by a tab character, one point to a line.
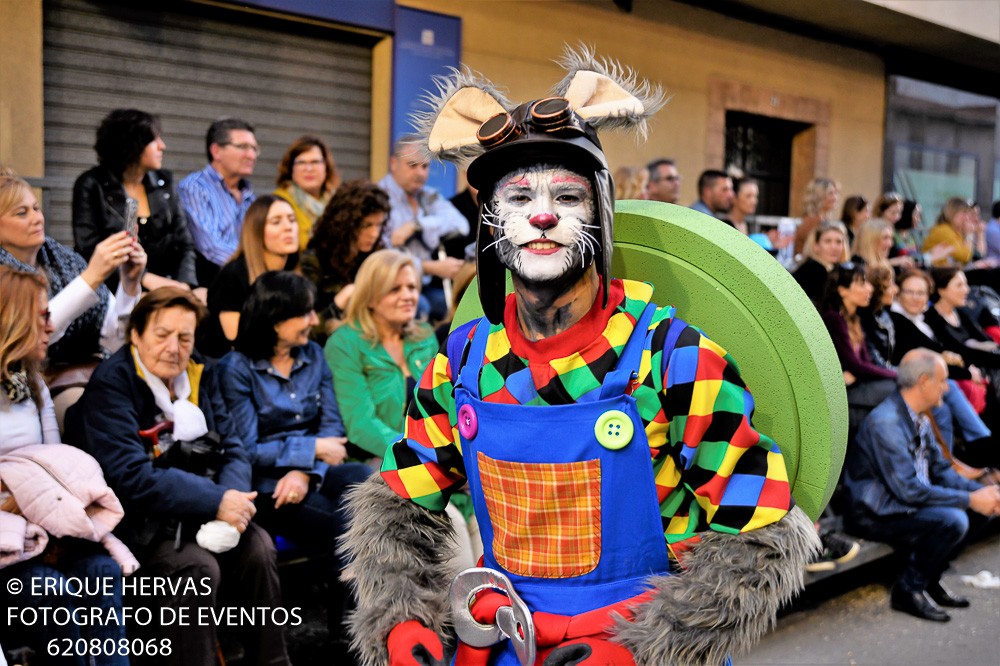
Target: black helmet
545	131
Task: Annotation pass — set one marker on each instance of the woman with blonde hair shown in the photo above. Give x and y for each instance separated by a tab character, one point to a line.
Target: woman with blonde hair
827	246
307	178
630	182
953	228
87	318
268	242
819	203
377	357
380	351
54	505
873	243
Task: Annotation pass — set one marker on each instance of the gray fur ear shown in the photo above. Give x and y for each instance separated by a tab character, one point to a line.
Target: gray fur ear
462	102
606	94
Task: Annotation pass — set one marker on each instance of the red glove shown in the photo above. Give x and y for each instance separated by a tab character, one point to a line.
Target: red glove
412	644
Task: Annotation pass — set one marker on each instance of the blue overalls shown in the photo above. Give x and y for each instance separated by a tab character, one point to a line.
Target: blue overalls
564	494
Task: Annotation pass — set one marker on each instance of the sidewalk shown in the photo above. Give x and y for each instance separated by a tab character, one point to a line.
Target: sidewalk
857	627
842	620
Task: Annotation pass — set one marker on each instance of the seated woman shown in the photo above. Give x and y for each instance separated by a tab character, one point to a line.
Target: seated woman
957	223
746	194
377	356
880	333
954	326
912	331
873	245
868	384
904	240
307	178
29	550
129	156
959	332
86	317
856	210
950	230
380	351
155	420
630	183
825	248
280	393
349	230
888	207
888	343
819	203
268	242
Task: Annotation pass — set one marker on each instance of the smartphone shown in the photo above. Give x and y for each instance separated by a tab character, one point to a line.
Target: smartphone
132	217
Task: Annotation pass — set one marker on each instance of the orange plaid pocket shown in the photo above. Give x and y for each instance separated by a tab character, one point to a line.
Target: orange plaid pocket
546	516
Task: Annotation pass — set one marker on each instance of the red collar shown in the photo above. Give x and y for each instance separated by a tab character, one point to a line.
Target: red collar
570	341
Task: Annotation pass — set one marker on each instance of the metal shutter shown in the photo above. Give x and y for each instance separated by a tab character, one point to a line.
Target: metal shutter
191	68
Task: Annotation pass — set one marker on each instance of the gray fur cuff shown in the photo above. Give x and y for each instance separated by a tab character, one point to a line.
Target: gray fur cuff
725	599
398	556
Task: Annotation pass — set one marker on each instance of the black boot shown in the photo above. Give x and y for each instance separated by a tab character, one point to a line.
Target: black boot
917	604
942	597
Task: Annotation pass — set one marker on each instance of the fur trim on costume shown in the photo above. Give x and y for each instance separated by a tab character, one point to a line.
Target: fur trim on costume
725	599
590	104
398	555
475	101
602	92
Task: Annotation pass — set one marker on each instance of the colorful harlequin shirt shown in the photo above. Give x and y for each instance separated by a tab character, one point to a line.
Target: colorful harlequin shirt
712	469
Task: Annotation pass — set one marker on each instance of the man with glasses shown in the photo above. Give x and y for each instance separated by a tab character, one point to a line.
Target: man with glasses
664	181
217	197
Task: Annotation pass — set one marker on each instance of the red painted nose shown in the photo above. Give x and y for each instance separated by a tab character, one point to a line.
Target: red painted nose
543	221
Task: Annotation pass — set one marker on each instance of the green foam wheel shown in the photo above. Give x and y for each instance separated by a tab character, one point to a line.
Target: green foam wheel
727	285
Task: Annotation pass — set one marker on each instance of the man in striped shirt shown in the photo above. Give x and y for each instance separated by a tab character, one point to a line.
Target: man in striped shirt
217	197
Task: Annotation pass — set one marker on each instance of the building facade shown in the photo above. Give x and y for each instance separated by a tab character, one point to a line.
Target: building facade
876	95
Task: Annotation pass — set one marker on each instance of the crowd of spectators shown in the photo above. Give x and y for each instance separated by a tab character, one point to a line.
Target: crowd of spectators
888	289
183	342
235	361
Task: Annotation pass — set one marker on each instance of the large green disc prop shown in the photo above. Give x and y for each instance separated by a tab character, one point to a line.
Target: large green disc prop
728	286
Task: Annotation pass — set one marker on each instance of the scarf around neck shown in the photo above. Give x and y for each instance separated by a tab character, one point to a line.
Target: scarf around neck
61	265
189	420
312	206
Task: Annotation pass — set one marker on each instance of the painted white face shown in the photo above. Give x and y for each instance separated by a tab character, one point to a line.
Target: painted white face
543	222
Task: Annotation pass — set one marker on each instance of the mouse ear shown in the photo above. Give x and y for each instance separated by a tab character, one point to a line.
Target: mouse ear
606	94
462	102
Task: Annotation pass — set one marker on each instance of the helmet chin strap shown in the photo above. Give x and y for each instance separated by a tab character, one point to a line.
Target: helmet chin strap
604	204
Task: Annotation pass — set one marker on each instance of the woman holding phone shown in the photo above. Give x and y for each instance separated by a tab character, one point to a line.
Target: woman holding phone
129	156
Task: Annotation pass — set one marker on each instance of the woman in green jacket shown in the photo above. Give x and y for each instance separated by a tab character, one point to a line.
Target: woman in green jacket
380	352
377	357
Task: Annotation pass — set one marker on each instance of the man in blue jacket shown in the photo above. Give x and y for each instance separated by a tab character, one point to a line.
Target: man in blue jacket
901	490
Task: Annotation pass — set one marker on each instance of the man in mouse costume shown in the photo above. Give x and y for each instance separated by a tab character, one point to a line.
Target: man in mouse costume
629	511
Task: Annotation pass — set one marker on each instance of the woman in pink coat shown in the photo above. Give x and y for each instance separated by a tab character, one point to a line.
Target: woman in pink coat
27	417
